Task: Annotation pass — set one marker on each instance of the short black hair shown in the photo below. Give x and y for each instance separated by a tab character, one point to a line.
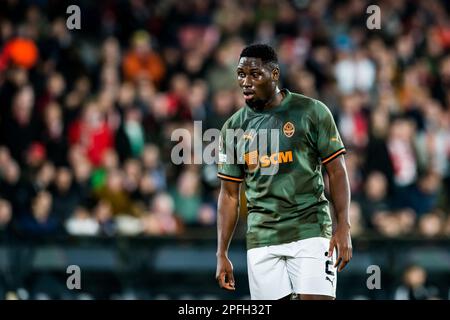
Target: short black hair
263	51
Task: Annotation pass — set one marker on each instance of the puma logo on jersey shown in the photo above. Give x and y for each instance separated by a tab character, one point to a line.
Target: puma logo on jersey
253	160
331	281
334	139
248	136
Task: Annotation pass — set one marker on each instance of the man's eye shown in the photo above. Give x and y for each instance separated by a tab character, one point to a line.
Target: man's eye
255	74
241	74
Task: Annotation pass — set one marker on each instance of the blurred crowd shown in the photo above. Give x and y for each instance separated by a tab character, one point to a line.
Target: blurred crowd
87	115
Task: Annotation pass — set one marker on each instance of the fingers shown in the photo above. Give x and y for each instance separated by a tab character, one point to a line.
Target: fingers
348	258
226	281
343	258
221	279
342	265
231	280
230	277
338	261
331	248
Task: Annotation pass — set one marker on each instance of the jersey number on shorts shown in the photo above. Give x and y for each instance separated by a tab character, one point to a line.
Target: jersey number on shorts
327	264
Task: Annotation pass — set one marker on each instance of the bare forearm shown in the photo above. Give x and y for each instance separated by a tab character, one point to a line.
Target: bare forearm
227	217
340	195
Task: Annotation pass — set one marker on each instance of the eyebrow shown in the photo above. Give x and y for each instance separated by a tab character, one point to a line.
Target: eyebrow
251	69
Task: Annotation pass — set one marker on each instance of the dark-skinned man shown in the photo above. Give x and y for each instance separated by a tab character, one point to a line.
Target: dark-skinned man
276	145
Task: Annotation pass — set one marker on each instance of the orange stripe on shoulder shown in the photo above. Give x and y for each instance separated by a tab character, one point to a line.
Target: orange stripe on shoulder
334	155
224	177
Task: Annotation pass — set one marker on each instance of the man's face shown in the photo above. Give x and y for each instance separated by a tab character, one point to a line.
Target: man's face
257	80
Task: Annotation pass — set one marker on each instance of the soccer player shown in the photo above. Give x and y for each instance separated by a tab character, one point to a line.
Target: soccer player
291	249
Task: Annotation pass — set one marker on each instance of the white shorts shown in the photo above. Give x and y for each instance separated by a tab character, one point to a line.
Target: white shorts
299	267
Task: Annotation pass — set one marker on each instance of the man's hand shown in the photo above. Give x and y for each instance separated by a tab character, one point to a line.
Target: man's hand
343	242
224	273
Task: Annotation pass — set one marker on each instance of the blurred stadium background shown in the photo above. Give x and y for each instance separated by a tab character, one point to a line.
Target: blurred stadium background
86	117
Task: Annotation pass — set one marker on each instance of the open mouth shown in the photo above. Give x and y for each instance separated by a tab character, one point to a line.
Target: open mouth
248	95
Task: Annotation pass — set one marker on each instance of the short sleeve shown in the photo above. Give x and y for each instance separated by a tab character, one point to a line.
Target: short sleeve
228	167
329	142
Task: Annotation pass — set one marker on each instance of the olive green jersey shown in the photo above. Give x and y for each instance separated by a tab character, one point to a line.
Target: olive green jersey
278	154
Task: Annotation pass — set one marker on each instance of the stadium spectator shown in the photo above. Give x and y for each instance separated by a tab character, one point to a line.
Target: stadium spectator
40	220
354	71
431	224
14	188
65	194
103	213
22	123
116	196
404	160
142	62
375	197
153	167
187	197
44	177
5	216
53	134
54	92
161	219
110	161
92	133
414	286
133	173
130	137
352	121
81	223
356	217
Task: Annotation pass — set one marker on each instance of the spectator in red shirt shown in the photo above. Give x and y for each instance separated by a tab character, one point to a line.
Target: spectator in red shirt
92	133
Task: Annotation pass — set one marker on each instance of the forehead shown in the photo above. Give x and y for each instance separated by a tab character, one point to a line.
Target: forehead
248	62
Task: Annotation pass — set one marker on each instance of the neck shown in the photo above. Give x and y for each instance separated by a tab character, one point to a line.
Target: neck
274	100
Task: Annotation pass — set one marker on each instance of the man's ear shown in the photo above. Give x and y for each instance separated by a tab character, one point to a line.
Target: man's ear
276	74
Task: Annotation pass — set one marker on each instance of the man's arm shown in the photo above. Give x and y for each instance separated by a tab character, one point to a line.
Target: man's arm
340	196
227	217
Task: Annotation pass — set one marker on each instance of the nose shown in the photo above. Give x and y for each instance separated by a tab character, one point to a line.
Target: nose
246	82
